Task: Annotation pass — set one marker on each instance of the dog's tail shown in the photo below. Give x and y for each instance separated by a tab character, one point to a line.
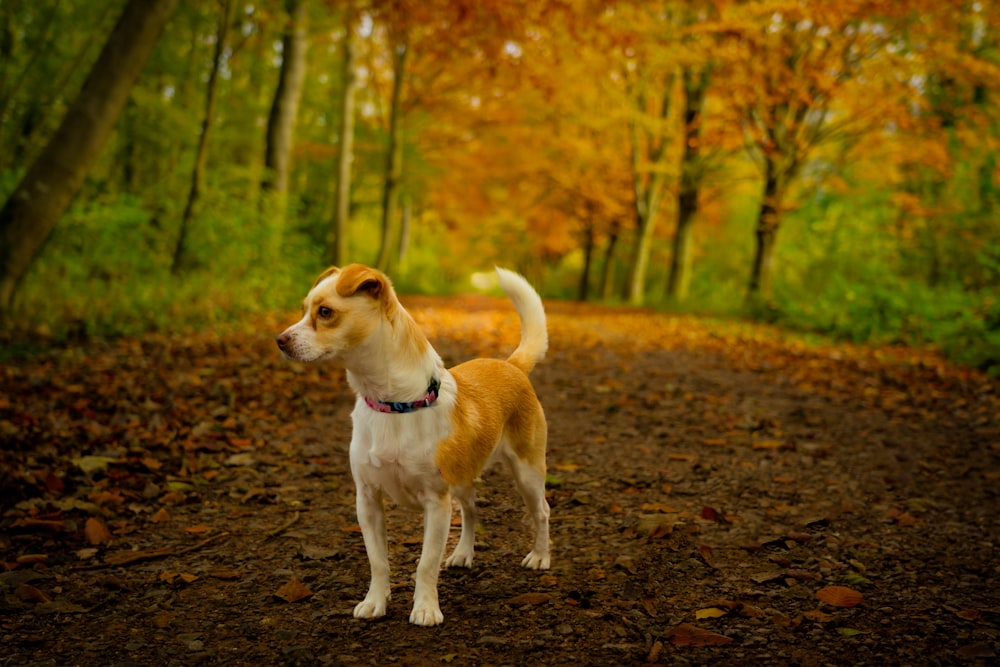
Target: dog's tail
534	335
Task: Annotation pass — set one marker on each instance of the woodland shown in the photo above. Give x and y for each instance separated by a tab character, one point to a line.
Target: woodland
830	167
766	237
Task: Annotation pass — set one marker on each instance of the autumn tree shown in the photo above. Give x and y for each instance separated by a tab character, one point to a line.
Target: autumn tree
790	67
53	179
345	139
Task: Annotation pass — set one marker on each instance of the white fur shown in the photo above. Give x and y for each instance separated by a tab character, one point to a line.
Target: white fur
397	455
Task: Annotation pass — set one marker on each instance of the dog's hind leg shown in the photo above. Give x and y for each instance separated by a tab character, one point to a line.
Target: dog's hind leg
529	475
437	520
462	556
371	516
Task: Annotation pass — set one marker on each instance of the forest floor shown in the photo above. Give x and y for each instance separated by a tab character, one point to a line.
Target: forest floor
721	494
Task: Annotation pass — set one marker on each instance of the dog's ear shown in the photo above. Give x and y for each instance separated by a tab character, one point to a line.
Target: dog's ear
357	278
326	274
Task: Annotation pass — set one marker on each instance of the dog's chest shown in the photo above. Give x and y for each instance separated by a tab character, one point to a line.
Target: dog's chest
396	454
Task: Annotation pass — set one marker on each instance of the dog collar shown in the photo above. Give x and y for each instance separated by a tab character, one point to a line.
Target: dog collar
398	406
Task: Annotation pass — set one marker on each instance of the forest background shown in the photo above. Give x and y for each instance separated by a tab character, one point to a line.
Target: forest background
828	166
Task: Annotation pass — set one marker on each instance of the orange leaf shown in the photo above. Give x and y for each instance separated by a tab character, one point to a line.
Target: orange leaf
96	532
197	530
28	593
161	516
689	635
840	596
293	591
818	616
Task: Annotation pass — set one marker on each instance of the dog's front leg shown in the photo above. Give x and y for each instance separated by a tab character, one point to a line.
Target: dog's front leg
437	519
371	516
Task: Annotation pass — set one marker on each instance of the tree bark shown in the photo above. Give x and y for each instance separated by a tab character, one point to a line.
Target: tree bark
394	159
768	220
201	155
607	271
342	205
680	262
284	109
583	291
695	85
53	179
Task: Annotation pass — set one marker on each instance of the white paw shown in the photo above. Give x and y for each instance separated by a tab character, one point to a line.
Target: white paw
426	614
459	559
373	606
536	561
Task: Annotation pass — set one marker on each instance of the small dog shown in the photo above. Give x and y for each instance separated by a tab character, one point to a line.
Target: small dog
423	433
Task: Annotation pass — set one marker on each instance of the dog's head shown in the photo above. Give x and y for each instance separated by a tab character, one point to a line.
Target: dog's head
342	310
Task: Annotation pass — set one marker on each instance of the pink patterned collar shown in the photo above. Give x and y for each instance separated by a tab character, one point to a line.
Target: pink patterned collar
401	407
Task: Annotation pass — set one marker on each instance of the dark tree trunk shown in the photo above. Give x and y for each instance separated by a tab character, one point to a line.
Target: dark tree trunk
394	159
194	192
284	109
768	220
53	179
342	205
607	271
583	292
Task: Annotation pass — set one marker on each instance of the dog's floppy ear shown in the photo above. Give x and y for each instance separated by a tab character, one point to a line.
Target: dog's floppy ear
357	278
326	274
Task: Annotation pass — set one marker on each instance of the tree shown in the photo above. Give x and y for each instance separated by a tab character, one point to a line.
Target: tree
792	66
284	110
345	156
394	153
201	154
30	213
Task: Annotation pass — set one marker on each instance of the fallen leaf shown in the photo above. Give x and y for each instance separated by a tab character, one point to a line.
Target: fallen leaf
709	513
768	444
293	591
690	635
818	616
197	530
977	650
969	614
96	532
710	612
840	596
161	516
92	464
529	599
850	632
28	593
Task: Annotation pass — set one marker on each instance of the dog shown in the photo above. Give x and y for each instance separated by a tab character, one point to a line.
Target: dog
423	433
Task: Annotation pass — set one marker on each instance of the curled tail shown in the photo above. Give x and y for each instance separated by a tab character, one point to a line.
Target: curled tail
534	335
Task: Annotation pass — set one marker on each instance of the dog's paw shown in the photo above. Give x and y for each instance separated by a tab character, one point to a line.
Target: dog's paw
536	561
373	606
426	614
459	559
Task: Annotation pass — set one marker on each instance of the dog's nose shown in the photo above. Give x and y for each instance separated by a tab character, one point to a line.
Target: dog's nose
283	341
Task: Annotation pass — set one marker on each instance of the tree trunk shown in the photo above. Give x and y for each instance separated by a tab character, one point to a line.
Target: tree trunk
394	159
405	228
583	291
53	179
281	122
206	125
680	262
695	85
607	271
768	221
342	206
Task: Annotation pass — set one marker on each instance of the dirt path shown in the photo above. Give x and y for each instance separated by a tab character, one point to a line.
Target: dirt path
164	498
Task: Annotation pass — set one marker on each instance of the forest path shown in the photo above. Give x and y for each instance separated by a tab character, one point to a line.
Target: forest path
720	494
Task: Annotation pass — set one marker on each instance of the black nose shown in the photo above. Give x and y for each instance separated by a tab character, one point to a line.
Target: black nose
283	341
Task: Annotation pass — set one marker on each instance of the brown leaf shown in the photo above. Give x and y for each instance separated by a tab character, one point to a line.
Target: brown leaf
969	614
96	532
840	596
686	634
161	516
818	616
293	591
28	593
529	599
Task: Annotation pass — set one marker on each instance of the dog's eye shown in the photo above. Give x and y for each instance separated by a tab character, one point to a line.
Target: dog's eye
325	313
